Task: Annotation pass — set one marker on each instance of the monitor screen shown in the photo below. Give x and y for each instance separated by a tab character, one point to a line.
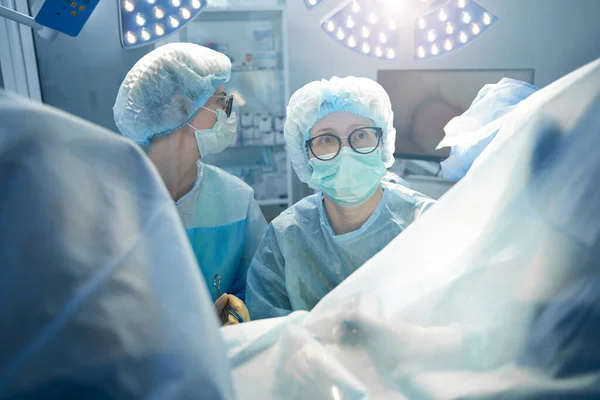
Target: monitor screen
425	100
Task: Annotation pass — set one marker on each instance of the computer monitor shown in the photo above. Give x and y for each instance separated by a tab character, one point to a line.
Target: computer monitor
425	100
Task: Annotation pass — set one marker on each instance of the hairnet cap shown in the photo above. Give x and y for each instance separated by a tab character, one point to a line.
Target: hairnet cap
165	89
360	96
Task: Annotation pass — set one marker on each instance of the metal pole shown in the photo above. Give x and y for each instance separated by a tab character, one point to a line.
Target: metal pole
20	18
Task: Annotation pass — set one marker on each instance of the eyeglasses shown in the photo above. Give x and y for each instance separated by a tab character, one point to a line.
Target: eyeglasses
363	140
227	104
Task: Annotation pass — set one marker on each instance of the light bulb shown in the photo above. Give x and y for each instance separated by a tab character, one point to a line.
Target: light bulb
330	26
174	22
373	18
463	37
366	32
435	50
128	5
443	16
462	3
185	13
159	13
421	52
355	7
312	2
366	48
130	37
383	38
378	52
140	20
196	4
340	34
151	1
422	23
449	28
391	54
475	29
448	45
487	19
349	22
176	3
351	42
159	29
465	17
431	36
145	34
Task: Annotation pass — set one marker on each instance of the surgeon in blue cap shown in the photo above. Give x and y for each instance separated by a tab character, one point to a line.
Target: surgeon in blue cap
173	103
340	137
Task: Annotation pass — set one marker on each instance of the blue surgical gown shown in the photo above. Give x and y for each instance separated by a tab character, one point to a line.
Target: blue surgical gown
301	260
225	226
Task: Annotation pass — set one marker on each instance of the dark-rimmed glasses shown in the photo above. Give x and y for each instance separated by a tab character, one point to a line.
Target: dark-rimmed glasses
362	140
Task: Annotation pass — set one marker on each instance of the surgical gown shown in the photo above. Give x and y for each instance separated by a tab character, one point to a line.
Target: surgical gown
301	260
225	226
100	294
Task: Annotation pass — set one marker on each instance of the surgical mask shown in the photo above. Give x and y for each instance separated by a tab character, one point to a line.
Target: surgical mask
217	138
351	178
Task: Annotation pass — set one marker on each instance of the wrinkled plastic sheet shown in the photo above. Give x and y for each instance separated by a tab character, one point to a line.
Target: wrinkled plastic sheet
494	293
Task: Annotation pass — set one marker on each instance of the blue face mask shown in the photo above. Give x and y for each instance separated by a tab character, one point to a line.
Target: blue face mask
351	178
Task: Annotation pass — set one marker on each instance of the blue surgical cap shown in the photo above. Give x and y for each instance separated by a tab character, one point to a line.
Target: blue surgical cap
164	90
359	96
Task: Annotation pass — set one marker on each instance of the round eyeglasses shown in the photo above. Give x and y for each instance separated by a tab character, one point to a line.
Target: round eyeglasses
362	140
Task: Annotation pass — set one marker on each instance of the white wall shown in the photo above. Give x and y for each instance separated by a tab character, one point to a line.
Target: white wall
553	37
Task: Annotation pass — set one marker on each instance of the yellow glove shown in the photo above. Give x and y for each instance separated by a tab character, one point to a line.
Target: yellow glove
227	306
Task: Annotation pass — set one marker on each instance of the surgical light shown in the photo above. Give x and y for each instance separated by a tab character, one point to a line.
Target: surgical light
366	32
310	4
350	22
351	42
364	26
128	6
145	34
140	20
154	19
185	13
443	16
450	28
131	38
465	17
159	13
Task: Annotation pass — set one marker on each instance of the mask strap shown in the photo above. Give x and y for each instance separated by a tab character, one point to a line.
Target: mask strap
212	111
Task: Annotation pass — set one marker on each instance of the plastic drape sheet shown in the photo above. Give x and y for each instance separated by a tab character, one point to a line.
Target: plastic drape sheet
494	293
100	293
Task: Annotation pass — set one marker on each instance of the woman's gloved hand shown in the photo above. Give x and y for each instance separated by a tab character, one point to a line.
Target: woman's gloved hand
224	306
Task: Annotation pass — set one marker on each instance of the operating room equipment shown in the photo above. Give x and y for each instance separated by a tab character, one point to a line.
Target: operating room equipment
230	310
